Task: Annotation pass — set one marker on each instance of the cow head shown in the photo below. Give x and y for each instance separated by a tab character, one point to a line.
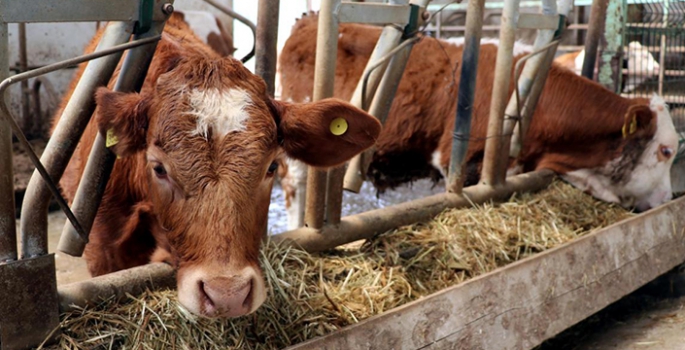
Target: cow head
208	135
639	177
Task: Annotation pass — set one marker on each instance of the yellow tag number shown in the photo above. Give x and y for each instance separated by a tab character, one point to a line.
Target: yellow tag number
338	126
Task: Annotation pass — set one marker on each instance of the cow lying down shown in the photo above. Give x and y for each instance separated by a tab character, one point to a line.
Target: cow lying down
617	149
198	147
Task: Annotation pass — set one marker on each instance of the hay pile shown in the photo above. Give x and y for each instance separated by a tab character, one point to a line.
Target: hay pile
312	295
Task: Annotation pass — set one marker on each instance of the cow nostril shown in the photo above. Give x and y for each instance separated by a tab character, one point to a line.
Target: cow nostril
226	296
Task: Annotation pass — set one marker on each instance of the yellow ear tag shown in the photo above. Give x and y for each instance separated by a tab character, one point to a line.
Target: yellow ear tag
632	127
111	139
338	126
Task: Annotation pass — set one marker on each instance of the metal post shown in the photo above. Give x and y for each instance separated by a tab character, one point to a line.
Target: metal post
26	121
389	39
662	49
467	87
326	55
8	235
267	37
101	160
533	66
521	128
65	137
610	66
493	145
595	28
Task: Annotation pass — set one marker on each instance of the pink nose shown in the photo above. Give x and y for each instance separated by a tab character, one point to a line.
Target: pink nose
226	296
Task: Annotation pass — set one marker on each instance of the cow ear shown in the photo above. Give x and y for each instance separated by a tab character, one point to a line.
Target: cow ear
639	120
325	133
123	118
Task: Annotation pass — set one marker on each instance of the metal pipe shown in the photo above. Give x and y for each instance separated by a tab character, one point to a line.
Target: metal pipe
101	160
116	285
370	223
267	38
467	87
67	133
380	106
38	242
26	124
340	178
662	49
32	245
598	13
521	128
366	90
326	55
524	79
8	234
491	173
242	19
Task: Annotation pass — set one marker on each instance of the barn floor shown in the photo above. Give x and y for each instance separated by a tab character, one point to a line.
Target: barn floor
640	321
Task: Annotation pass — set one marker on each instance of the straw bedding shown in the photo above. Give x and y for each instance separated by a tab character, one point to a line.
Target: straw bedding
314	294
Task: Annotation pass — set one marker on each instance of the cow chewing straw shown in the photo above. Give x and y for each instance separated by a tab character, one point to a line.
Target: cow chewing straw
314	294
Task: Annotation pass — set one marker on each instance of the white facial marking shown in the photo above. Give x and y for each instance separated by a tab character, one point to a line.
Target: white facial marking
222	110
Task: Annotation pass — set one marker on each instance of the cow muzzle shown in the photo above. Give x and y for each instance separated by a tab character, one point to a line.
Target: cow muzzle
221	295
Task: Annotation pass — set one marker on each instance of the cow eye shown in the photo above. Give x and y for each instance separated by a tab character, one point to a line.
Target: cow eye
272	168
667	151
159	170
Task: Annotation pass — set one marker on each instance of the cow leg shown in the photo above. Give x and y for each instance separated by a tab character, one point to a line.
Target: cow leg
120	244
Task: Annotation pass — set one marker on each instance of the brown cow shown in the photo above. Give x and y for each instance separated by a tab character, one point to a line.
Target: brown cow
209	29
576	130
192	187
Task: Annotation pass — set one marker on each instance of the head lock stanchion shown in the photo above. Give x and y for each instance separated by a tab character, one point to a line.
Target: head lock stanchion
28	288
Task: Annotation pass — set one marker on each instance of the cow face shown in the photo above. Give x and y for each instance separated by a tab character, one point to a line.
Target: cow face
209	135
640	176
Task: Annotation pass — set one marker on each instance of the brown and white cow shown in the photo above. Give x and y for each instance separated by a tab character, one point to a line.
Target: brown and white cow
576	130
192	187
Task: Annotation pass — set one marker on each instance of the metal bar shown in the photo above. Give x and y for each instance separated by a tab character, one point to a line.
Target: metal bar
116	285
36	244
14	11
491	173
521	128
367	224
467	87
243	20
380	108
68	131
365	91
101	160
373	13
340	178
267	38
662	49
594	32
26	122
8	235
326	55
537	21
612	41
